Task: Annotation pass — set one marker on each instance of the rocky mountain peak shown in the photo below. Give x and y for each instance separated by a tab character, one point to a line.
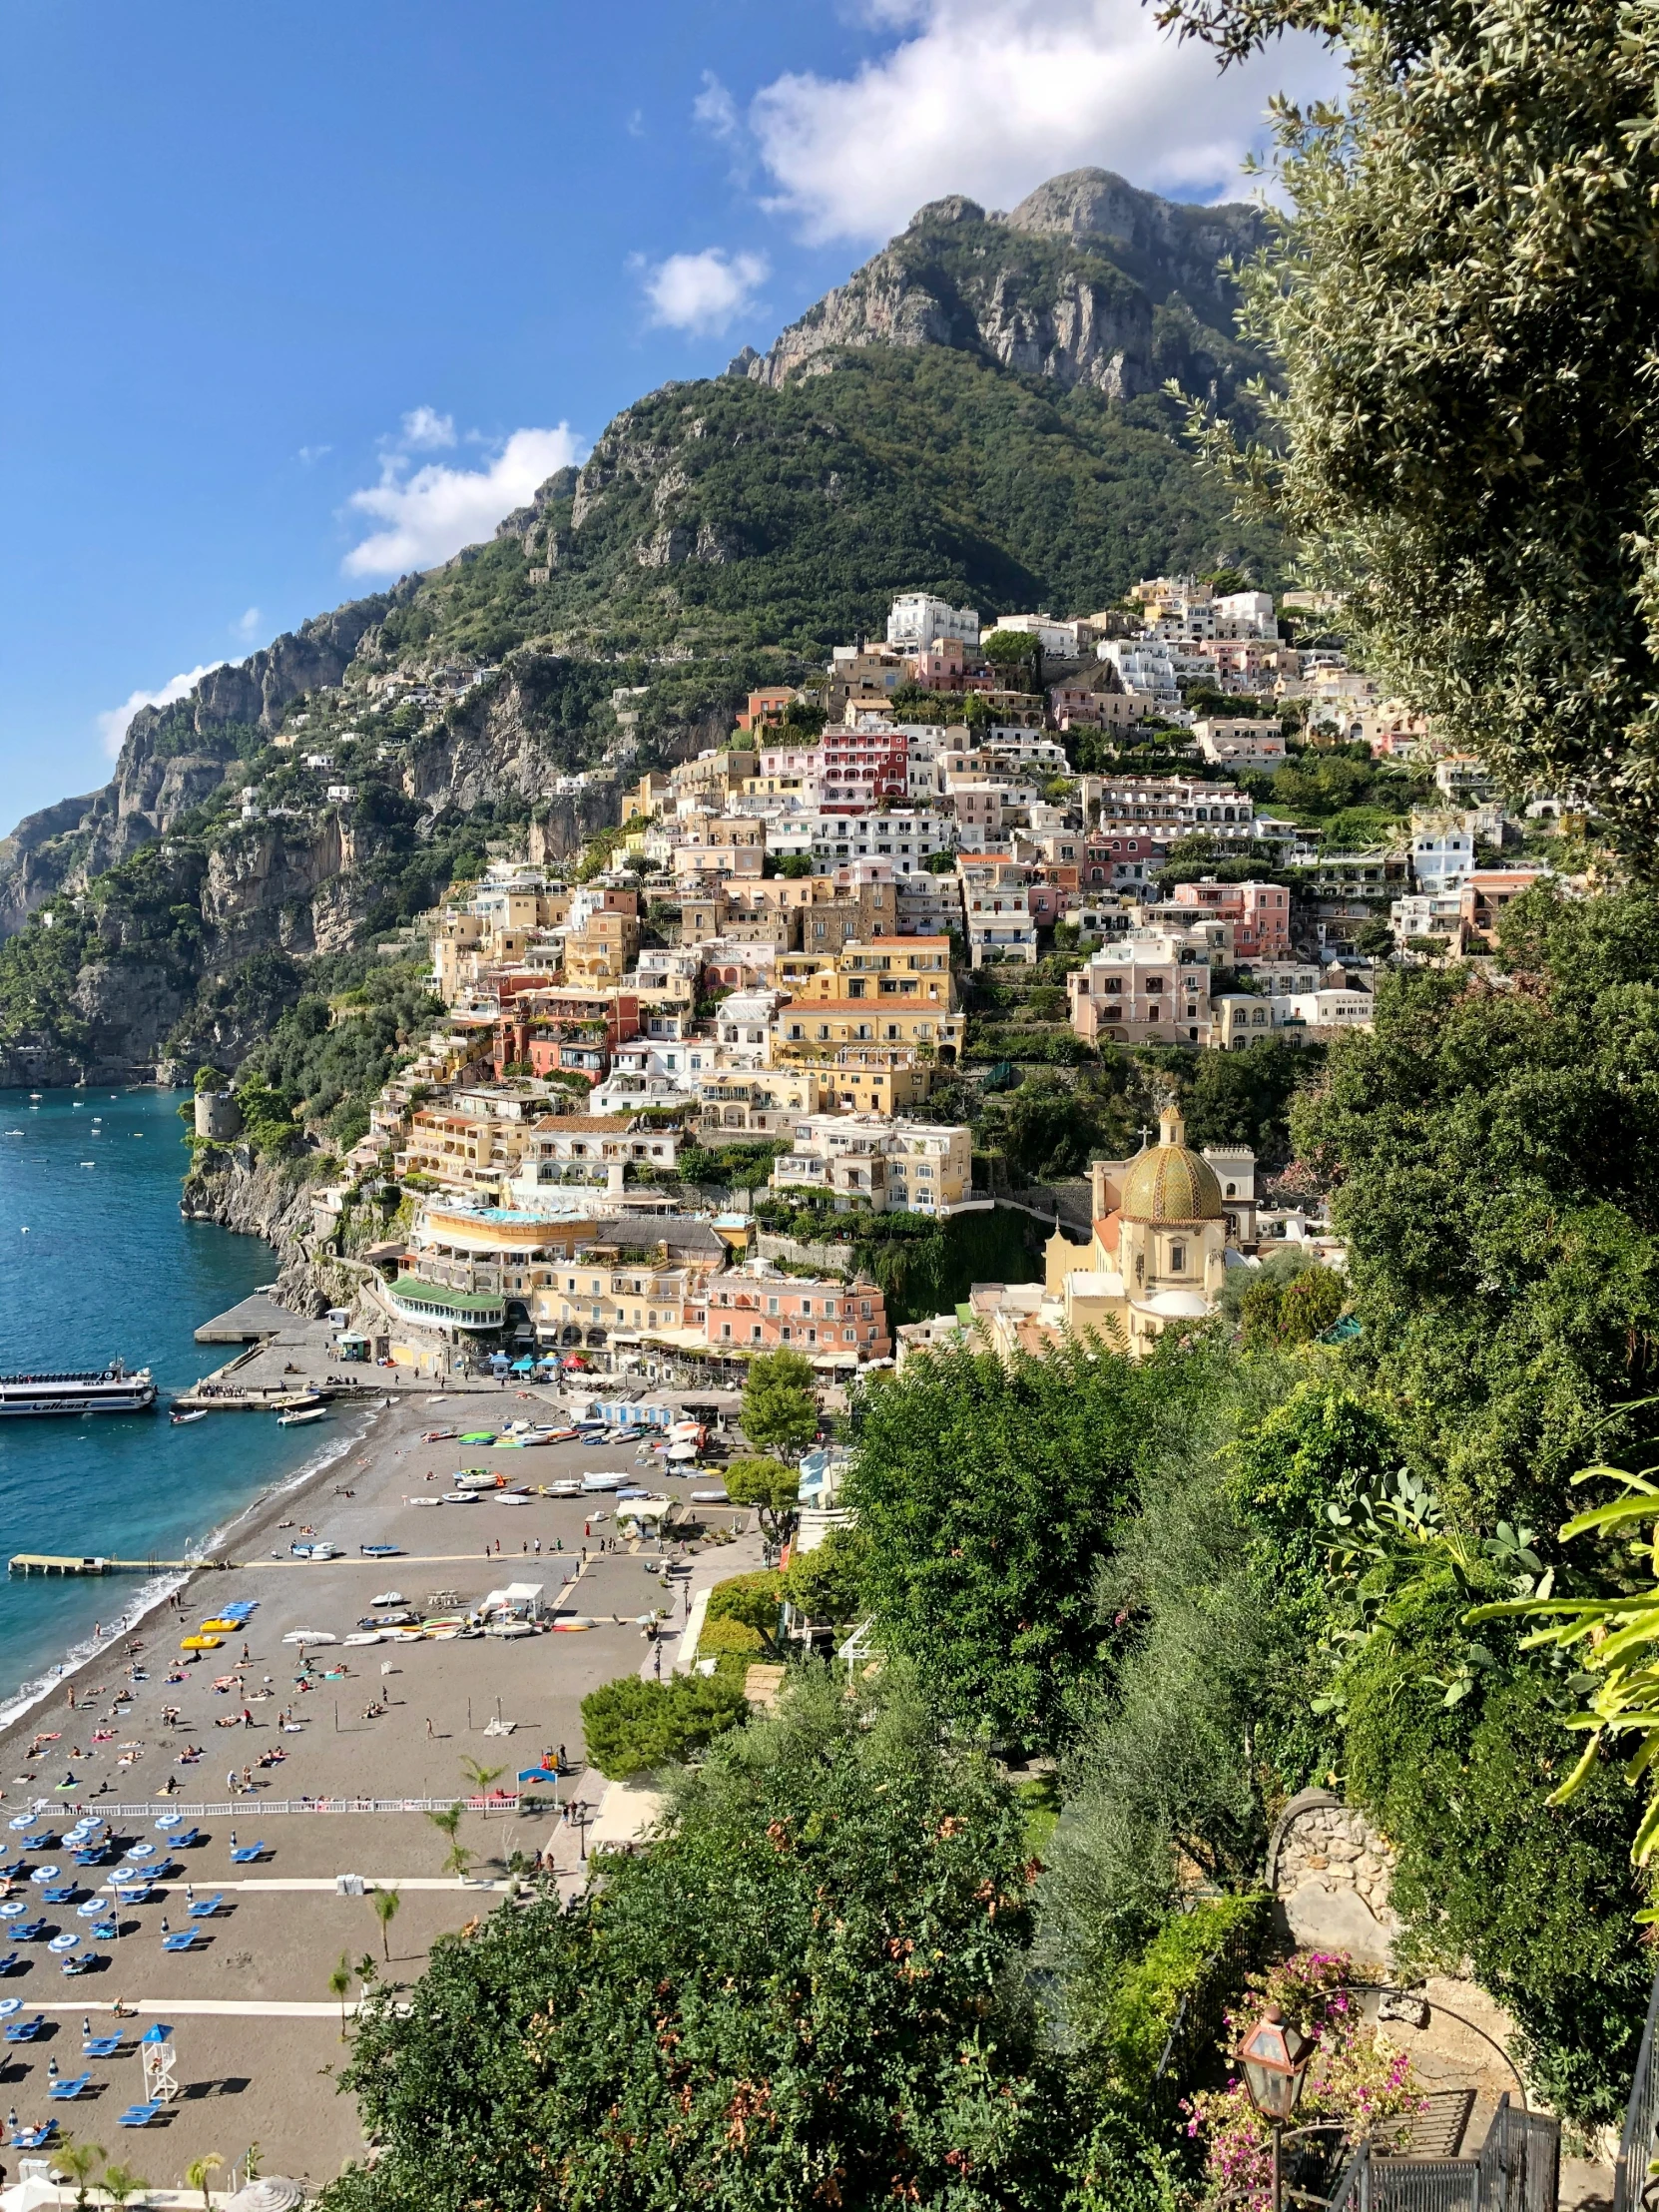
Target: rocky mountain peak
1090	281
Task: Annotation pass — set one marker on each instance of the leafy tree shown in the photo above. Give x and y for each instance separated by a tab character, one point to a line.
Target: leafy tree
826	1583
634	1727
780	1403
1541	1903
1494	1158
1478	468
120	2184
750	1598
770	1487
988	1495
806	1990
1291	1311
794	865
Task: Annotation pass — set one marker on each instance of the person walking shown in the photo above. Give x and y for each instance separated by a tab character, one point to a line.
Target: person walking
429	1731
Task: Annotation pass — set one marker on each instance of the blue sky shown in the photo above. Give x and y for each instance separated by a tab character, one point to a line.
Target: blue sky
295	298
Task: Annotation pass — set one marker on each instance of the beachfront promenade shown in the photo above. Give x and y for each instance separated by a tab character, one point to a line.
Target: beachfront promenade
400	1728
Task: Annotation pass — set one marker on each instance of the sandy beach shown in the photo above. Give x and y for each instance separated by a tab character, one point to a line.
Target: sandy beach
257	2030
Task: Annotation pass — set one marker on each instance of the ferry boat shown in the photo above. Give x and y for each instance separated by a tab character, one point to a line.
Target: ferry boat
113	1390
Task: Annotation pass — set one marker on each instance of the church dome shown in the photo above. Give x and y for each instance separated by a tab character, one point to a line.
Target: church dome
1169	1183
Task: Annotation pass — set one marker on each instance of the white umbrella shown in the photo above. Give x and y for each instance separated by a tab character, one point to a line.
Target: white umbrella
682	1452
272	2195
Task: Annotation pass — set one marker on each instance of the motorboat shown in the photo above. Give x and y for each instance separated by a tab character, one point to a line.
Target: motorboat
183	1421
297	1415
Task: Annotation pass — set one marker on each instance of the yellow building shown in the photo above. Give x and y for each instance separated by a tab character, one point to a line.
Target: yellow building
822	1028
1157	1256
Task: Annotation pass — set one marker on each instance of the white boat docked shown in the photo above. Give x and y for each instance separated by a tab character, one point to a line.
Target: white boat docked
88	1390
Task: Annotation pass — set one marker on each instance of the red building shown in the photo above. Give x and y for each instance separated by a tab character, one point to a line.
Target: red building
573	1029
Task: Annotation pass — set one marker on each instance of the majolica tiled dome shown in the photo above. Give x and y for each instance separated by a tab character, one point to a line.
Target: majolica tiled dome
1169	1183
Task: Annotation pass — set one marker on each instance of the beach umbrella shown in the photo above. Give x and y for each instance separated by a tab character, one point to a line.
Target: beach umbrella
271	2193
681	1452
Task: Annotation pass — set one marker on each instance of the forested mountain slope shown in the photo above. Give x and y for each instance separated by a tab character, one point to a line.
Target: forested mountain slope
1003	441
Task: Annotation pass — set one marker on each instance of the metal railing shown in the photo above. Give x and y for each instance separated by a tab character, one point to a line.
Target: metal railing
1517	2170
1633	2166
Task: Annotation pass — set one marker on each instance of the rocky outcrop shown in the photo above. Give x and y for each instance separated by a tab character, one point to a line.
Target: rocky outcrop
269	1199
173	758
1066	287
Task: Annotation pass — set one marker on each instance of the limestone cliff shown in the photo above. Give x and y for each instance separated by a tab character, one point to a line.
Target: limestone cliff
273	1200
1089	281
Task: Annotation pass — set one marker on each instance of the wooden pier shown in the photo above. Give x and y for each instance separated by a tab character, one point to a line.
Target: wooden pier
49	1562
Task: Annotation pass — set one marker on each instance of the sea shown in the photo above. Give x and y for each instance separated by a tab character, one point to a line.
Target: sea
95	1264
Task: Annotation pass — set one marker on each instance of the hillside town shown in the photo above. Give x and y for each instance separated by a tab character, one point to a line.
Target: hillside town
764	968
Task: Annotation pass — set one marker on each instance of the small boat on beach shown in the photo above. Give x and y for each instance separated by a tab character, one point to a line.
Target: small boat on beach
301	1415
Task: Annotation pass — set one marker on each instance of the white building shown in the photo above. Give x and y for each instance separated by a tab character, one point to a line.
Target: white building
998	918
1143	665
1054	637
917	620
1442	856
1240	742
904	838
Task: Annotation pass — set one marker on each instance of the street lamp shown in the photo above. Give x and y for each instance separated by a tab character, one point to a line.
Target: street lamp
1274	2059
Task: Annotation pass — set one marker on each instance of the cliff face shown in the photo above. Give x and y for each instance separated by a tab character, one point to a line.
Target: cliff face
1088	281
260	1197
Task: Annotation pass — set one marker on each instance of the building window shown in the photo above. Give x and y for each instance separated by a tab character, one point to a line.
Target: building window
1176	1259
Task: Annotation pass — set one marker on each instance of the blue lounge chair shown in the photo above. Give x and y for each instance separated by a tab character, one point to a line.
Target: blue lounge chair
205	1908
107	1931
35	2138
137	2116
33	1932
100	2046
138	1893
182	1939
65	2091
246	1853
84	1961
25	2031
61	1892
187	1838
9	1962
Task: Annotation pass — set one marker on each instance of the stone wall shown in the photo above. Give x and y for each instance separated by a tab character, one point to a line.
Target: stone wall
1331	1873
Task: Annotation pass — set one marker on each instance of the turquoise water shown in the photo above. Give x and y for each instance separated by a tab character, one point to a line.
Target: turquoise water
95	1261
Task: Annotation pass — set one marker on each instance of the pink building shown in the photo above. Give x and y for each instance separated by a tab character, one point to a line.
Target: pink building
832	1324
1260	914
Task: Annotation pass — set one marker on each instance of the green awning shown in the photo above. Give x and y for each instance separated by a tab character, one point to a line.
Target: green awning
414	1292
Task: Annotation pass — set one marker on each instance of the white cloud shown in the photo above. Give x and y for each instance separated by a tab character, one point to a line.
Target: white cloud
990	97
431	515
425	429
704	291
112	722
715	109
310	455
247	625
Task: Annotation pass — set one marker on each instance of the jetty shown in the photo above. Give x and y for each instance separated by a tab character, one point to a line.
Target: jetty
52	1562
